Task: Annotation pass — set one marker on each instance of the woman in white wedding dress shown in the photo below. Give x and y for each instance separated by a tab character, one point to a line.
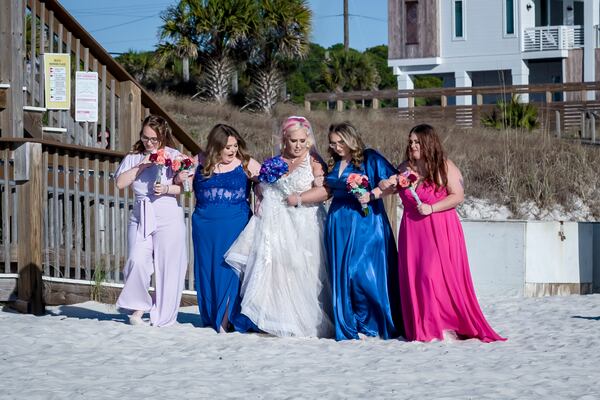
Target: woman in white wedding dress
280	254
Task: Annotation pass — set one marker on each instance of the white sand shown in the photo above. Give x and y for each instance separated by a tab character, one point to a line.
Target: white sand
86	351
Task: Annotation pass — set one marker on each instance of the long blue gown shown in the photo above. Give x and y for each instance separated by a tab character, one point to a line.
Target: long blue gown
222	211
362	256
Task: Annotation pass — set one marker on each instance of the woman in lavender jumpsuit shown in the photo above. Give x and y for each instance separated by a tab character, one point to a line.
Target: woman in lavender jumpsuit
156	231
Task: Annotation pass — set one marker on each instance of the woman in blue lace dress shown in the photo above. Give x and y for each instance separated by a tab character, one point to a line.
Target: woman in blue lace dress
222	185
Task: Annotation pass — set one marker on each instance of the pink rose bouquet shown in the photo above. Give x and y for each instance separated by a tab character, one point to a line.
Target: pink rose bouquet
162	159
358	185
409	180
183	163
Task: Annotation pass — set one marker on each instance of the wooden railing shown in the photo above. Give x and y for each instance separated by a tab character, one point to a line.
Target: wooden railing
46	27
83	215
561	107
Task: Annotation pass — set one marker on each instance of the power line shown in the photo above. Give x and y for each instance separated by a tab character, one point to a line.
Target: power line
121	8
128	40
102	14
123	23
352	15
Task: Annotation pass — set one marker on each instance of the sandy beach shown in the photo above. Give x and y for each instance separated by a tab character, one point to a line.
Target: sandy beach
87	351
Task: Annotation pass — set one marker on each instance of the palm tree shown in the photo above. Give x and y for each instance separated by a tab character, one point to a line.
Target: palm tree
138	64
178	32
282	36
223	28
349	70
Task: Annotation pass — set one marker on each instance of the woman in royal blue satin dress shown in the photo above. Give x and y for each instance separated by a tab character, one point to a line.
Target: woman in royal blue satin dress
361	248
222	186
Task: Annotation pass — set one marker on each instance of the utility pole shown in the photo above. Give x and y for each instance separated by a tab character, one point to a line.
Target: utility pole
346	30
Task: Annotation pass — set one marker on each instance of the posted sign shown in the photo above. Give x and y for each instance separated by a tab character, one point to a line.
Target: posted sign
57	85
86	96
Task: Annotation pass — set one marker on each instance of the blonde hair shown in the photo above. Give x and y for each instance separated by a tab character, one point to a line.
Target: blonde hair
349	135
294	123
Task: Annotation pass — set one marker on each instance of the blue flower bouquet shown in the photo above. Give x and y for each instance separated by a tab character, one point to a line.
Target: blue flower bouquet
272	169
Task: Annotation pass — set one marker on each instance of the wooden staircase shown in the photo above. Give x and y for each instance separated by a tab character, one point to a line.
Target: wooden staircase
61	215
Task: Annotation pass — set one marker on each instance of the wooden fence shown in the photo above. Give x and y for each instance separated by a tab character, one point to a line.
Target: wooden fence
561	107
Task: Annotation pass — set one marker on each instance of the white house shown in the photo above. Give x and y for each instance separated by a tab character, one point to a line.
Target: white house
493	42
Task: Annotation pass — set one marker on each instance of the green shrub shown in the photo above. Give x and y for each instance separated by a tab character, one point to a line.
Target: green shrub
513	114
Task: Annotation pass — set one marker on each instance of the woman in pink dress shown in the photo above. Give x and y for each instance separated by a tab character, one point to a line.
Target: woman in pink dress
435	281
156	233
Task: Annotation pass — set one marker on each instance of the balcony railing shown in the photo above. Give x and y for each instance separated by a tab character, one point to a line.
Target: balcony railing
547	38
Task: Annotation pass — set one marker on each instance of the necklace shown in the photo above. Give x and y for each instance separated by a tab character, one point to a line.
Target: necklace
219	167
292	161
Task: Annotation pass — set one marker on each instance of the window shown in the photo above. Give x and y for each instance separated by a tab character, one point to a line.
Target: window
458	20
412	22
509	19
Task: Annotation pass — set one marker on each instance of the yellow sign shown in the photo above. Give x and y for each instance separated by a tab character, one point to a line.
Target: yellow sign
57	74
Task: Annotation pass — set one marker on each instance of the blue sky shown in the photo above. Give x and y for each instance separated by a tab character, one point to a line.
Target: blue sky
120	25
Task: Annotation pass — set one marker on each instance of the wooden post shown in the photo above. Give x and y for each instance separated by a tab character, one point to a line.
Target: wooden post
28	174
130	115
339	105
557	119
11	66
375	104
306	106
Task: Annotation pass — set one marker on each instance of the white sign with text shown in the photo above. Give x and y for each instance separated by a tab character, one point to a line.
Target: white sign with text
86	96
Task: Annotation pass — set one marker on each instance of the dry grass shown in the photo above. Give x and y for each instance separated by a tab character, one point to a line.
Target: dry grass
509	167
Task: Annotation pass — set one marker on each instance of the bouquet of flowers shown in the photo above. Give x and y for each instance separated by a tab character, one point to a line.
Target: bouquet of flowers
162	159
408	180
272	169
183	163
358	185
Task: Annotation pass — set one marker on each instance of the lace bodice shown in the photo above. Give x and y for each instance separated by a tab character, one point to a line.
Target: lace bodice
224	189
298	181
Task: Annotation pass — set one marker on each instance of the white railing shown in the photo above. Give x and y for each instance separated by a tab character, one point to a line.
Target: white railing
546	38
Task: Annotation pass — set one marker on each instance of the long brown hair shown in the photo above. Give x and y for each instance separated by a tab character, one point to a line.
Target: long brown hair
217	141
349	135
163	132
432	153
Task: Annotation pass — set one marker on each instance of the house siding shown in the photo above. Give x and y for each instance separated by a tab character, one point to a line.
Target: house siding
483	33
428	30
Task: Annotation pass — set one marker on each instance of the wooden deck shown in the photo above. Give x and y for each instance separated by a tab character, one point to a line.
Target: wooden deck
61	215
